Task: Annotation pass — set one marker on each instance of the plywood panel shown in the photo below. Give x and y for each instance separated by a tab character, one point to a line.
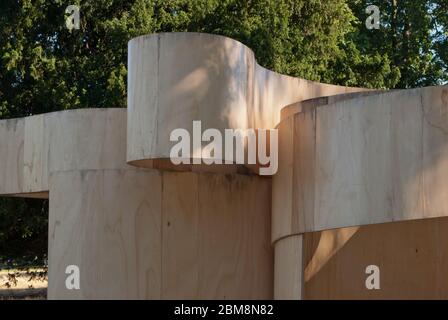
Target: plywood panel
11	155
353	167
108	223
364	161
288	279
138	234
176	78
32	147
36	150
87	139
282	182
235	250
406	154
412	257
216	237
304	183
181	236
435	150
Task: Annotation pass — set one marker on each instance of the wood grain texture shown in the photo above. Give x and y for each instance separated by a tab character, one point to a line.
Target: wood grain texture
36	152
282	182
365	160
11	155
353	163
310	104
288	279
144	234
412	257
87	139
176	78
345	160
216	237
181	236
137	233
33	147
235	207
108	223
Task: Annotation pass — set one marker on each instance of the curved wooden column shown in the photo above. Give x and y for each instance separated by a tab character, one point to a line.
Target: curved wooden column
288	268
177	78
354	161
374	159
144	234
108	224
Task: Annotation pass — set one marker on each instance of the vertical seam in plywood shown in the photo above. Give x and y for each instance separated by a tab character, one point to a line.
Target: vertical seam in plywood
302	266
198	233
313	210
295	219
391	166
161	232
422	156
156	102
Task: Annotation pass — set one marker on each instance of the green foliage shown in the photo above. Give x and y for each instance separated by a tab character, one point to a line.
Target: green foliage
440	16
23	230
45	67
409	37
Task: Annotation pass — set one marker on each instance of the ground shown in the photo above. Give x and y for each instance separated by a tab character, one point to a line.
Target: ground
23	283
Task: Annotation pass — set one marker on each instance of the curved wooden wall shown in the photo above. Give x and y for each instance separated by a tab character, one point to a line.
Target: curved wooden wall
176	78
136	233
359	160
412	257
373	159
347	157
